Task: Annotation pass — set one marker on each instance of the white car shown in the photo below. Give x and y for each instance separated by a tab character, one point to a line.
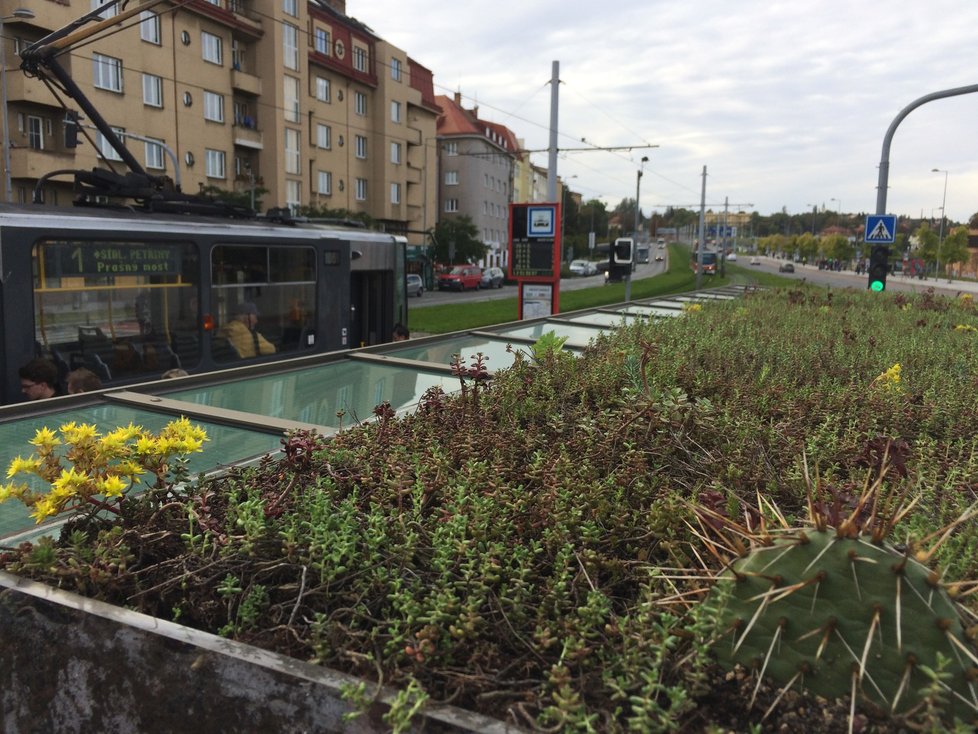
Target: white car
583	267
732	257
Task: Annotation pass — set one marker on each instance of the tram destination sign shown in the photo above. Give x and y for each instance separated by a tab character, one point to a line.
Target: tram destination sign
72	259
534	241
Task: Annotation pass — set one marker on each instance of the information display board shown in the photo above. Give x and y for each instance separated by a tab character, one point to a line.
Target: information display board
534	253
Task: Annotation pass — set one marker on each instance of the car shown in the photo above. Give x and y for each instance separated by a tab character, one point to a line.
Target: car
583	267
786	268
415	286
493	278
732	257
659	258
755	260
661	242
460	278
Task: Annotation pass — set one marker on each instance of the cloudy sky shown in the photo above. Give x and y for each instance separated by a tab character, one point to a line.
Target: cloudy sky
786	103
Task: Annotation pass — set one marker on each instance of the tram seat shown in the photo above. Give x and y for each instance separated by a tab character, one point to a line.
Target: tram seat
224	350
99	367
63	369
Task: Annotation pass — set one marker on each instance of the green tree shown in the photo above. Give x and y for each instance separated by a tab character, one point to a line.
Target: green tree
927	242
456	240
955	247
837	247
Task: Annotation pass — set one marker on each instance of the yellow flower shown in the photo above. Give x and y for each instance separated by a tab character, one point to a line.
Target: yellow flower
43	509
965	296
79	434
890	378
146	445
45	438
19	465
965	327
693	307
112	486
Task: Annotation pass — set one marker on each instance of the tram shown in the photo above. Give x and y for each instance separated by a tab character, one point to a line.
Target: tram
130	295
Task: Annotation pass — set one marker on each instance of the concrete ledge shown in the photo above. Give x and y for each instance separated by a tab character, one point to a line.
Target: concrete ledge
72	664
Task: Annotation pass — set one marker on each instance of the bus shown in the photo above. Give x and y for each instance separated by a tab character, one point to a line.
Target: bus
709	262
130	295
642	252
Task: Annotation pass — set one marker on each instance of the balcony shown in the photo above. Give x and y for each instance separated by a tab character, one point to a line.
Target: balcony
242	81
22	89
29	163
247	136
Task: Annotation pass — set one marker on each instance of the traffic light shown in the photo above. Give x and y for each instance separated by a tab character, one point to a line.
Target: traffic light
622	252
879	266
71	129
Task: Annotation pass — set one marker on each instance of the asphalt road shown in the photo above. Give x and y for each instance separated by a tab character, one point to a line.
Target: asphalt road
437	298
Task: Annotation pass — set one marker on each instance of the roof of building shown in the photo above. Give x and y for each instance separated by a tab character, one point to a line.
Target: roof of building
456	120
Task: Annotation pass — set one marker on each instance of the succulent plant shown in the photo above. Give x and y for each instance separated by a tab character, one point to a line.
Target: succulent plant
839	611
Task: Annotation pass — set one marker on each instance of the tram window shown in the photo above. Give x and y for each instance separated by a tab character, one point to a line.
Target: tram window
279	280
125	310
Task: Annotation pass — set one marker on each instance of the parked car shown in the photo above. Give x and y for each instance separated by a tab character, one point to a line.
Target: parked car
493	278
755	260
786	268
415	286
583	267
460	278
732	257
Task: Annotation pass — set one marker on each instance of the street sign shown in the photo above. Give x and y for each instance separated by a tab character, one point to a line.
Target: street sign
881	229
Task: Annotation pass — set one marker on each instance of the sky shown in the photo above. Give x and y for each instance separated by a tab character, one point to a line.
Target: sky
785	102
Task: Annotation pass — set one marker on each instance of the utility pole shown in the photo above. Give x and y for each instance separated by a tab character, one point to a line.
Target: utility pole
701	244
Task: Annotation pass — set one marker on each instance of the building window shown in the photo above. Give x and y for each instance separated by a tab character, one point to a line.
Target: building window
325	181
323	136
322	89
291	91
290	46
292	151
154	155
361	146
291	7
395	152
360	103
396	70
395	193
237	54
361	189
360	58
107	73
213	107
149	28
242	116
451	148
395	111
212	48
321	40
451	178
293	195
105	148
35	132
214	163
152	90
451	205
108	12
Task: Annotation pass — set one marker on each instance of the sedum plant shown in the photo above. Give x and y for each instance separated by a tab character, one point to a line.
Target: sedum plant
90	470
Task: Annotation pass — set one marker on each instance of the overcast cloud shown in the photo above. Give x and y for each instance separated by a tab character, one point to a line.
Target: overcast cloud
785	103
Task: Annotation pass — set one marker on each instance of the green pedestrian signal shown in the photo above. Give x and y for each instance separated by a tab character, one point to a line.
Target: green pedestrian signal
877	285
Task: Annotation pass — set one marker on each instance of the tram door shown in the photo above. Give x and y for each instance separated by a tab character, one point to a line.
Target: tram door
371	307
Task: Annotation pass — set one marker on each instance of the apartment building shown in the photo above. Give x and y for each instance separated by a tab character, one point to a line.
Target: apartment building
290	96
477	163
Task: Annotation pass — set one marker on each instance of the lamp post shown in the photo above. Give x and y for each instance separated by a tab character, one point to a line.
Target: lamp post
8	185
638	214
940	240
839	202
814	210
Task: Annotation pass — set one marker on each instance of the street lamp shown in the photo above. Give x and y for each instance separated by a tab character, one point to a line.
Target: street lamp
638	212
814	210
839	202
8	185
940	241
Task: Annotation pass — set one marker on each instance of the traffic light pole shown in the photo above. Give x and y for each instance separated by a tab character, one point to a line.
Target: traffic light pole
884	168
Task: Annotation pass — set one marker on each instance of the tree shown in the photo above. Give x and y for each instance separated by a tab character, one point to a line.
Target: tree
242	199
973	222
927	242
955	247
457	241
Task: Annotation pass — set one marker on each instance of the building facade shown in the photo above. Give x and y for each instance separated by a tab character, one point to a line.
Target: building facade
291	101
476	173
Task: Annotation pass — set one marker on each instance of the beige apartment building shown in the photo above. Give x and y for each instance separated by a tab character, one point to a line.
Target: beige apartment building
291	96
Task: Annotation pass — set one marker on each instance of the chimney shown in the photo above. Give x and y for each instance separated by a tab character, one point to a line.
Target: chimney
458	98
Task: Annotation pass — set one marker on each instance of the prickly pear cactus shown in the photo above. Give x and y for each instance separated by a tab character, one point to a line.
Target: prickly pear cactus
843	616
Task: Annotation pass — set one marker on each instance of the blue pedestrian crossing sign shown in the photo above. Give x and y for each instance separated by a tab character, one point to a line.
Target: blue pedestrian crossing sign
881	229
